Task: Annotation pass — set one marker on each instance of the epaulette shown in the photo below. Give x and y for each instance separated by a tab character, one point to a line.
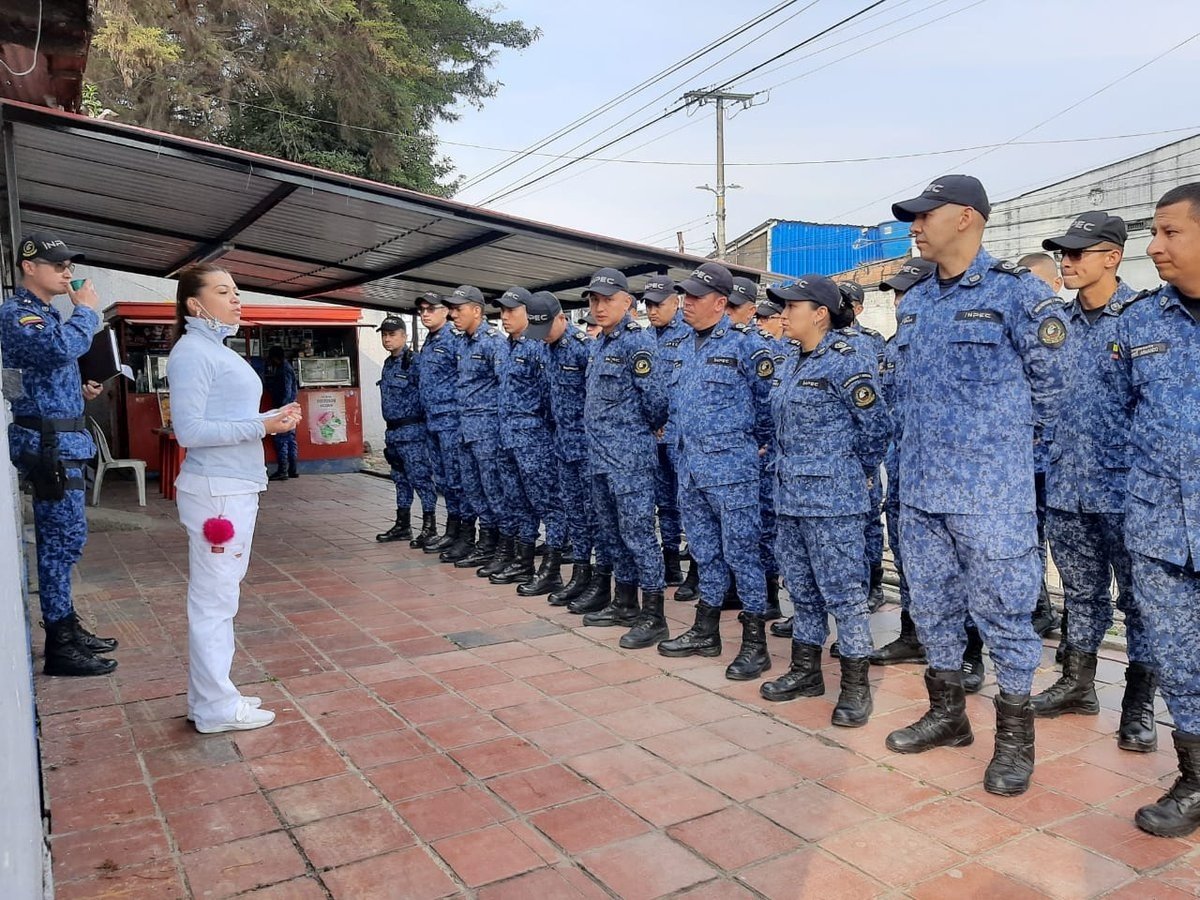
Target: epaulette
869	332
632	326
1011	268
579	336
1120	307
456	331
740	326
841	347
492	331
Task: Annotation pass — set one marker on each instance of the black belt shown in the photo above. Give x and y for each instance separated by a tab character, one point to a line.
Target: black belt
37	423
400	423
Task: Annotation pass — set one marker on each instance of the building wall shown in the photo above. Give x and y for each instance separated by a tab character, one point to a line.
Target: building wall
754	253
1128	189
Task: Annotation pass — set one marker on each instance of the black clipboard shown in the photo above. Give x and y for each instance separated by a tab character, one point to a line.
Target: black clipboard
102	360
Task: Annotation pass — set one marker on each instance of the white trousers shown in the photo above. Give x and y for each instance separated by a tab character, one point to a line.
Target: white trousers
214	586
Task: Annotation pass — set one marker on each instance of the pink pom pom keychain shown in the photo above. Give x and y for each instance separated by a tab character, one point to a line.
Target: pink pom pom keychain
217	531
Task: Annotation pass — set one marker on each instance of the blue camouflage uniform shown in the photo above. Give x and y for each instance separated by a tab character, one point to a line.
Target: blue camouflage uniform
567	376
766	468
831	427
437	364
1085	484
626	403
979	379
891	464
869	344
526	444
480	358
282	387
666	484
720	403
35	339
406	442
1156	362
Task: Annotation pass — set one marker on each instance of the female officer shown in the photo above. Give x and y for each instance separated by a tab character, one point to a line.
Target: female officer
831	427
214	410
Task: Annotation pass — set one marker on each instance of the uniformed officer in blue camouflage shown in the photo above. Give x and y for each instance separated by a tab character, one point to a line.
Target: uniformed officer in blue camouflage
853	293
282	385
979	381
566	373
669	331
438	365
721	407
831	428
48	440
527	458
406	442
481	355
626	404
743	312
1156	362
1085	486
907	647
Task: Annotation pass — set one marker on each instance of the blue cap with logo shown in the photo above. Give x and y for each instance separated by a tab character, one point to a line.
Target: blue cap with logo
542	308
813	288
707	278
466	293
658	289
514	297
607	282
1090	228
965	190
913	271
745	290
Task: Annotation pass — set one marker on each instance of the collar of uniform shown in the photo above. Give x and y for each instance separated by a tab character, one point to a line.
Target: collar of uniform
722	326
1169	297
831	336
23	293
979	266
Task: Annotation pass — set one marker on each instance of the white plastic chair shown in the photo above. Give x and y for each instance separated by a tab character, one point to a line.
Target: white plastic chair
105	462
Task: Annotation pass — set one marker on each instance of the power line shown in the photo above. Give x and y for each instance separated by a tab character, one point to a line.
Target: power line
517	155
677	108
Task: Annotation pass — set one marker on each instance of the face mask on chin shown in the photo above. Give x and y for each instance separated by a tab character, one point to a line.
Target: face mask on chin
222	329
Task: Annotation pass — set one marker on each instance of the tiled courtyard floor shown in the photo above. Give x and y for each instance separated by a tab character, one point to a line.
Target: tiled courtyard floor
537	760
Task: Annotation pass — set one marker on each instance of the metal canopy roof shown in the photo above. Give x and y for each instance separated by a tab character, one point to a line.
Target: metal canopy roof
148	202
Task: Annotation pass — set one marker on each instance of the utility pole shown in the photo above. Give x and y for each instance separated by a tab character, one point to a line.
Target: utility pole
719	99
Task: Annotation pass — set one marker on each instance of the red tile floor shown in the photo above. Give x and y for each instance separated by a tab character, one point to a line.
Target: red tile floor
537	760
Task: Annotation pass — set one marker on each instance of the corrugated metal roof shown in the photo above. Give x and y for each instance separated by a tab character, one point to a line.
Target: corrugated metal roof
143	201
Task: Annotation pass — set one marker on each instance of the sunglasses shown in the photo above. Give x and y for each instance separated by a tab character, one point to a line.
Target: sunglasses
1076	255
59	267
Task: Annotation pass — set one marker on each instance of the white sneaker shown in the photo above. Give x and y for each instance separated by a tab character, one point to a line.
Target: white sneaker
246	718
253	702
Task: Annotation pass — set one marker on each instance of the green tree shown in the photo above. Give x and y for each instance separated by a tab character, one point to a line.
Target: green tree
278	77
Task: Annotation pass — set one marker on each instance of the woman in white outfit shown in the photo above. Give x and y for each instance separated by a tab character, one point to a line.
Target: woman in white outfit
214	409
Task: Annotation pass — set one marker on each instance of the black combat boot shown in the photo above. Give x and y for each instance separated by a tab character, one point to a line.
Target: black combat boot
1011	767
1137	731
783	629
752	657
622	610
94	644
690	589
401	531
292	473
1061	650
500	558
875	589
1177	812
1075	690
519	569
581	574
945	724
905	649
802	679
65	655
854	703
1044	618
772	611
972	664
278	475
671	567
464	543
484	549
596	595
427	533
548	577
446	540
702	639
651	625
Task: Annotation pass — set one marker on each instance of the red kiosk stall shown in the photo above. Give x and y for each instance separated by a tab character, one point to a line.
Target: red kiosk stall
321	342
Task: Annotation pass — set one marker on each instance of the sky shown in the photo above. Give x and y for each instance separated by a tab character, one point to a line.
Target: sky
945	75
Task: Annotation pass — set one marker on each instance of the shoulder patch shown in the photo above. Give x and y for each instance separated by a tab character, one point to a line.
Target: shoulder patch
1052	332
841	347
579	337
855	379
632	326
871	332
1011	268
765	367
864	396
31	320
1116	307
642	363
1047	304
741	326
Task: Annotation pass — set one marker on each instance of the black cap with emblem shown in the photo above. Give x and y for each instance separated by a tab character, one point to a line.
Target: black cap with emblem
392	323
607	282
964	190
542	308
41	246
814	288
767	308
430	298
514	297
852	291
707	278
913	271
658	289
466	293
1088	229
745	290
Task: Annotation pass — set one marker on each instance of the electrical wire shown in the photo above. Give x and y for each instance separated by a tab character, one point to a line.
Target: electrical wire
37	43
